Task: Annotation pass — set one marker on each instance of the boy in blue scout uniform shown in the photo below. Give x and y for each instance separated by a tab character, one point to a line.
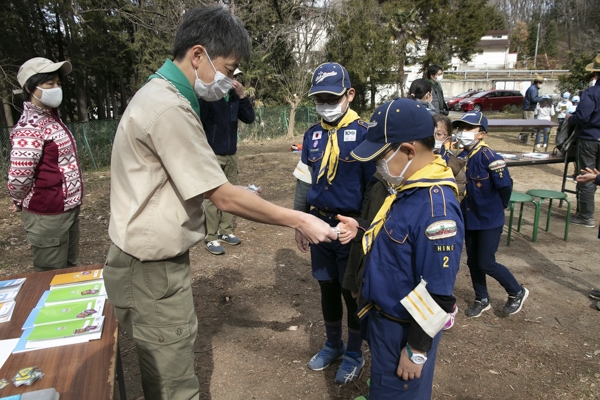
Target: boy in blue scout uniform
416	235
487	195
338	186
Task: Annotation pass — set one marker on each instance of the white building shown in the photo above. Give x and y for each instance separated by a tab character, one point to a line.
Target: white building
492	53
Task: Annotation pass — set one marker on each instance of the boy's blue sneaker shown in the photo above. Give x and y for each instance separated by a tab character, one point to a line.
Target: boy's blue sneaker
214	247
350	369
326	356
230	239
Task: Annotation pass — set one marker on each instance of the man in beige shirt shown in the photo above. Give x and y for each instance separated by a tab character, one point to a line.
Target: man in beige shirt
162	169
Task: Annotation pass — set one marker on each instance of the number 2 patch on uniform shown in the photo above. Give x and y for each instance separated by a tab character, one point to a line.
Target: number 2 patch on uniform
441	229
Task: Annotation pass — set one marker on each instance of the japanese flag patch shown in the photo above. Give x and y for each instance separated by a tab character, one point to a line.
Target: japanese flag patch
441	229
350	135
317	135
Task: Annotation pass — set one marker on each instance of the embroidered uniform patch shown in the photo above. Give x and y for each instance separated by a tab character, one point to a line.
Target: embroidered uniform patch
497	165
441	229
317	135
350	135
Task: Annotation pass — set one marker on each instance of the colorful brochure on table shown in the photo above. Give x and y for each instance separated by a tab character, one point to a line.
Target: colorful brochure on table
9	295
66	329
62	294
6	311
77	277
74	310
11	284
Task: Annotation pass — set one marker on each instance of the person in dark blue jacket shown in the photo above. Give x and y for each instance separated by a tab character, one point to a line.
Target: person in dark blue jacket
338	185
220	122
532	97
587	116
488	192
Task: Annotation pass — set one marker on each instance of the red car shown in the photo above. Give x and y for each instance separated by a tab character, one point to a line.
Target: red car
493	100
453	102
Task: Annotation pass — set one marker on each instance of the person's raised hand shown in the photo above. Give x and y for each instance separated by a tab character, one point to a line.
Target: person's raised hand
239	89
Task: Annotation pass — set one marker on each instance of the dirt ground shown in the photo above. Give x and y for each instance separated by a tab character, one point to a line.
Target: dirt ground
259	310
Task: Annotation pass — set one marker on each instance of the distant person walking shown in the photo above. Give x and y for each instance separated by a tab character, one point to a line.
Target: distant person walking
44	178
544	111
532	97
435	74
220	121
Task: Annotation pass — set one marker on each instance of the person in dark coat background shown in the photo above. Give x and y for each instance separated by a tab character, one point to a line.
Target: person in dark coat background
220	121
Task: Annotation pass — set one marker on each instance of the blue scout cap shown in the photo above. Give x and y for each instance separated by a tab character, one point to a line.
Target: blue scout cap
472	118
331	78
397	121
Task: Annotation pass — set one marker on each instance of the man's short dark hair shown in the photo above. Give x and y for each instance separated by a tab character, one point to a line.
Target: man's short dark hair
215	28
428	142
35	81
432	70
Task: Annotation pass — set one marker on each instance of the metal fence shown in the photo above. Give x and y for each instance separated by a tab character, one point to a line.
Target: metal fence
95	138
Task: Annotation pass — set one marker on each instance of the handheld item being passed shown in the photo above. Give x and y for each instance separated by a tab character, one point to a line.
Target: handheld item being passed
425	311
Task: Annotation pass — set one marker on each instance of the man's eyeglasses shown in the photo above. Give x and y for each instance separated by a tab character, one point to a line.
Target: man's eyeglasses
330	101
440	135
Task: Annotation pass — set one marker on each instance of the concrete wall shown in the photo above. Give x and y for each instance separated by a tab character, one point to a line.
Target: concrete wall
454	87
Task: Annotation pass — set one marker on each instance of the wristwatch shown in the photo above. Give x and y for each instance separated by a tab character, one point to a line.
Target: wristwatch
416	358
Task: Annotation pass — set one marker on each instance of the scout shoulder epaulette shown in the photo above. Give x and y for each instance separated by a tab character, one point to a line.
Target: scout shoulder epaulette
489	153
363	123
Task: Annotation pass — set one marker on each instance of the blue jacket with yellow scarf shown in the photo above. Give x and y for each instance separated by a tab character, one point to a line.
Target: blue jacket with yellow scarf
344	193
488	188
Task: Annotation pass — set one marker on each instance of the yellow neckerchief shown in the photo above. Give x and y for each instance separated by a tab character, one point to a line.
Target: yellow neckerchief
434	173
332	151
477	147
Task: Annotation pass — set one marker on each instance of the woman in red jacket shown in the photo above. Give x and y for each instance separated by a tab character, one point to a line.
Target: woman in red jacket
44	178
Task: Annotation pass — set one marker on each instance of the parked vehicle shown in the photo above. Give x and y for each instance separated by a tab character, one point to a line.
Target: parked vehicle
493	100
453	101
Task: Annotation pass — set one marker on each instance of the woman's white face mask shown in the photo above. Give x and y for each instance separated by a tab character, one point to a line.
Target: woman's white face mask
384	171
50	97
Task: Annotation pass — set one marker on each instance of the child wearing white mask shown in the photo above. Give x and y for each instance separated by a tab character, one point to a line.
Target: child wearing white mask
488	193
338	185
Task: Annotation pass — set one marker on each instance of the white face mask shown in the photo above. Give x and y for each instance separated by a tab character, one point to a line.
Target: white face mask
440	78
466	139
438	144
382	168
593	82
330	112
50	97
215	90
